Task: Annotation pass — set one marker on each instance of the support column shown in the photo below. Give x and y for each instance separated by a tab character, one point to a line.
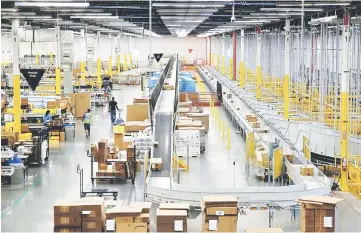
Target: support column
58	63
258	63
118	55
150	33
217	57
82	62
234	56
99	63
345	101
210	51
242	67
16	76
286	79
223	54
110	59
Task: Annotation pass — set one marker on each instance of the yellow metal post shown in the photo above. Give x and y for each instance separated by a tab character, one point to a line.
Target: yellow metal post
228	139
130	61
110	66
218	120
57	81
17	103
223	65
286	80
230	69
345	101
241	66
82	70
223	130
258	61
51	57
125	62
217	62
36	59
118	63
99	72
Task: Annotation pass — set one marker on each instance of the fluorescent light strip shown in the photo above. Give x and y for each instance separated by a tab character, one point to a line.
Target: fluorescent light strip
86	14
72	10
292	9
277	14
47	19
27	17
94	17
312	4
9	10
52	4
186	21
17	13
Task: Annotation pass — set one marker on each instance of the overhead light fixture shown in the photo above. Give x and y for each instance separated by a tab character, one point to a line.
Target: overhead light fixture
93	17
313	4
9	10
324	19
187	5
52	19
252	21
72	10
17	13
51	4
277	14
292	9
186	11
27	17
86	14
186	21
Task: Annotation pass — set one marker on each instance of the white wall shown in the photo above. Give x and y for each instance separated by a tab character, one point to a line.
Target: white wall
44	43
172	45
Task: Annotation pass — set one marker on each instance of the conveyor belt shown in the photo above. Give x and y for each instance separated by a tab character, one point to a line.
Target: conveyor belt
164	124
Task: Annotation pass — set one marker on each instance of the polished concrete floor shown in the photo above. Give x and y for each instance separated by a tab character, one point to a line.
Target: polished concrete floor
29	207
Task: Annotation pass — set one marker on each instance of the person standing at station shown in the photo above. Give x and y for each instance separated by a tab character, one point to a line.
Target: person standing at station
47	117
87	121
113	106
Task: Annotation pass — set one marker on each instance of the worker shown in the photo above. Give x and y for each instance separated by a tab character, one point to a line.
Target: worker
47	117
87	120
113	106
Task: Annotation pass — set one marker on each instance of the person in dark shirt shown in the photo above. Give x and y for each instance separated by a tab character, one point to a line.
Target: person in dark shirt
113	106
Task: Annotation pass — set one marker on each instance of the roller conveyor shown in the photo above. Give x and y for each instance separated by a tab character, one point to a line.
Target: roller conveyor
164	123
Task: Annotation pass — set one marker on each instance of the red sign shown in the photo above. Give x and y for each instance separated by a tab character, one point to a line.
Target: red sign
190	50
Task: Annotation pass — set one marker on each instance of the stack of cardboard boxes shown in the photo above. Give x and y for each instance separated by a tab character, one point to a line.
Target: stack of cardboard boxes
318	213
171	220
220	213
127	219
203	117
11	137
253	121
85	215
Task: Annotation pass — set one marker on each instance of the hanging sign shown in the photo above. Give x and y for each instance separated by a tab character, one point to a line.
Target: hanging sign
32	76
190	50
158	56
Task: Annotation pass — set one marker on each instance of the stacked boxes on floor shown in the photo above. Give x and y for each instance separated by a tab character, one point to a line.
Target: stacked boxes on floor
318	213
127	219
172	217
86	215
220	214
203	117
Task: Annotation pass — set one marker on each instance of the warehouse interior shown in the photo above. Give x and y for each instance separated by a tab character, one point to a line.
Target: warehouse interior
181	115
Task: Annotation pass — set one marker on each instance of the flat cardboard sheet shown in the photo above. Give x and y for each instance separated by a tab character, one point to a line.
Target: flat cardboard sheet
320	200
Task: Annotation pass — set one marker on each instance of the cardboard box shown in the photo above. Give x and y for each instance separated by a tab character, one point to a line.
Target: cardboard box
67	229
137	112
218	201
24	101
67	208
131	227
306	171
202	117
67	221
140	101
103	147
317	213
289	157
62	136
14	136
174	206
102	166
135	126
222	211
130	153
92	225
256	125
171	220
156	164
95	207
123	212
82	103
118	139
25	128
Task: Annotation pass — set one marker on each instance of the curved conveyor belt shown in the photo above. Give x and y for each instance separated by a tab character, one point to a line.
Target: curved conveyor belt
161	187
